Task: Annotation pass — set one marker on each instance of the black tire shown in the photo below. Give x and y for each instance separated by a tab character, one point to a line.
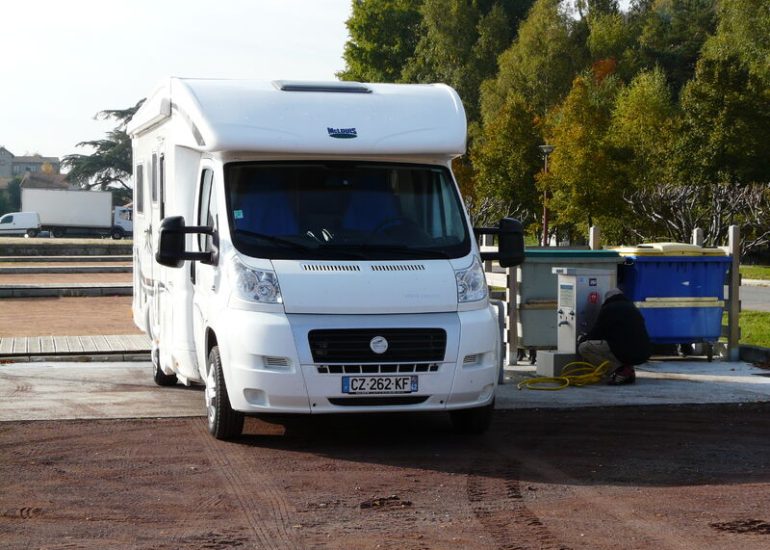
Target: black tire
160	377
224	423
472	421
32	232
57	232
117	233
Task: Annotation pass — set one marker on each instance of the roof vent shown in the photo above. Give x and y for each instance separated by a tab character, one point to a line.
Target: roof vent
326	87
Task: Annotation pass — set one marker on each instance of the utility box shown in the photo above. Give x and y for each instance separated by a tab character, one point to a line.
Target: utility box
580	296
580	293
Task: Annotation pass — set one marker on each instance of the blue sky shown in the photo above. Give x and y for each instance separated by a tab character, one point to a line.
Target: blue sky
63	61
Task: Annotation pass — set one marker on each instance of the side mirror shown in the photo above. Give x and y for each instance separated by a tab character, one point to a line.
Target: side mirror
510	242
171	250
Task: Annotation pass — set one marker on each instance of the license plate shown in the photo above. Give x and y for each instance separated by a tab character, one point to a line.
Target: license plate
379	384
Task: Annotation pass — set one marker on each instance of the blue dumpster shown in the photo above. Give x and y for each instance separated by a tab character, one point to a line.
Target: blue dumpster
678	288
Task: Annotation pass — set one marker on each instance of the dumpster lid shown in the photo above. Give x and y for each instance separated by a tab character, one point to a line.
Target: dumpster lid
554	252
668	249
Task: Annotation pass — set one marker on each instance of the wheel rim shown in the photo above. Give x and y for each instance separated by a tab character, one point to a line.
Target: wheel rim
211	395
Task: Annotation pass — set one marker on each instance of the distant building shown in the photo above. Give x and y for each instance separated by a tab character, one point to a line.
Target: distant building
12	166
41	180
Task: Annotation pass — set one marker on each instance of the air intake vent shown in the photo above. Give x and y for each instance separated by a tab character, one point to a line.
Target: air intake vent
277	362
400	267
325	267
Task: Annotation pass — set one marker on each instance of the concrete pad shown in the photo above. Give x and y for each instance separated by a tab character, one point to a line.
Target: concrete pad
657	383
59	391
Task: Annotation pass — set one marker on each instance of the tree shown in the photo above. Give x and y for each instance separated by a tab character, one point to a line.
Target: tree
460	42
671	212
539	65
642	130
383	36
506	159
672	35
109	166
583	176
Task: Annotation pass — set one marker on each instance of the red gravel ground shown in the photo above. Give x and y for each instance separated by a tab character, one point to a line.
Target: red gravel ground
694	477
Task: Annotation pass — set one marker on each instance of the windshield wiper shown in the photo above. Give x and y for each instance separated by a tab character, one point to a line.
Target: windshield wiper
274	239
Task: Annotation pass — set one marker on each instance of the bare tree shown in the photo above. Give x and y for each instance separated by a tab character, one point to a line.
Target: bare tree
672	212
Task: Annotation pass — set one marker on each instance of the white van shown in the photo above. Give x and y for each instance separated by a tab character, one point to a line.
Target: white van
20	223
302	247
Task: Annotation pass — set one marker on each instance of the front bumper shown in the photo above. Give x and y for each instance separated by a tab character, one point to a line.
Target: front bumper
269	367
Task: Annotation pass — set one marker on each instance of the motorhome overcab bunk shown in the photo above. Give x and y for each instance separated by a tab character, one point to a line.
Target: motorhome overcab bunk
302	247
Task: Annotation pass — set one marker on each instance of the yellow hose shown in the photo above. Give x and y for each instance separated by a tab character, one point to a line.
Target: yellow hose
577	373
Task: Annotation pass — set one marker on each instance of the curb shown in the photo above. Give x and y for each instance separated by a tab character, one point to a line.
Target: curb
91	357
754	354
41	291
66	269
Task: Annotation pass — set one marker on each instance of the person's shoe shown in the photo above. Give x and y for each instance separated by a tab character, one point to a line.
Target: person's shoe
625	374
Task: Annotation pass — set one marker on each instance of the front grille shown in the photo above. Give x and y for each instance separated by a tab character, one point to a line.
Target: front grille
419	345
378	401
378	369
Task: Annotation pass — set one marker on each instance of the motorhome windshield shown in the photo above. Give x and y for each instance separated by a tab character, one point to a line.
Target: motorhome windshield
345	211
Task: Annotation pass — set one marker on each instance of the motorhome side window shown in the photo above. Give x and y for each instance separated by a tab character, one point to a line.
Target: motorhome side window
162	185
337	210
206	207
154	179
139	188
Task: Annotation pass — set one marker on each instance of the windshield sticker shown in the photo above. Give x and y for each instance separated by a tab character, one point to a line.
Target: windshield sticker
342	133
238	214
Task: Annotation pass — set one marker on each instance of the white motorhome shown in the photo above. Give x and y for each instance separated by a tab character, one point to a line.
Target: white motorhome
302	247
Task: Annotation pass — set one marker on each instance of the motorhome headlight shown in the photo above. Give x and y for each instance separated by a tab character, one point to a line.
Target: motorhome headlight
255	285
471	283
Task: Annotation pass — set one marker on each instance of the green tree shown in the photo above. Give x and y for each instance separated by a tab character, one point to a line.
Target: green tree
14	194
539	65
743	29
460	43
642	130
506	159
583	175
383	36
725	136
672	35
109	166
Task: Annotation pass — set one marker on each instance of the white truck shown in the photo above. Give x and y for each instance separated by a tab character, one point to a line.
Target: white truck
302	247
78	212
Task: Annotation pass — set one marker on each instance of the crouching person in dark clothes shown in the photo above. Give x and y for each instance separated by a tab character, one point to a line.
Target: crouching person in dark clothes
619	337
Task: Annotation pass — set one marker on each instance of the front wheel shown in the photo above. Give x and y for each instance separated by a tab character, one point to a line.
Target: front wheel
224	422
472	421
117	233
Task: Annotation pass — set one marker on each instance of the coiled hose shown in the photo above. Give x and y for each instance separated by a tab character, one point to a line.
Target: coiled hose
577	373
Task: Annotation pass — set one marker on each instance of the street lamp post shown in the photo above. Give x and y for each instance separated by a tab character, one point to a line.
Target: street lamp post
546	150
